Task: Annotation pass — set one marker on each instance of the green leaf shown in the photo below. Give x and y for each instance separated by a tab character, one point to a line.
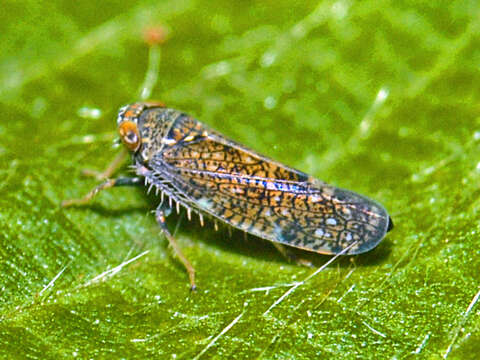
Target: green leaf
377	97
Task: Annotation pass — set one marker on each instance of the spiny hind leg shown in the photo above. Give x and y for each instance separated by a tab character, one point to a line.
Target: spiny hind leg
107	184
160	215
290	256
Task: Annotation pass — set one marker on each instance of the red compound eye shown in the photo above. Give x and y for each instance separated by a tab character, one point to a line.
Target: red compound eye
129	134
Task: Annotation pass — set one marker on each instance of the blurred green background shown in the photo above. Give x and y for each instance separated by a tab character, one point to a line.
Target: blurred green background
378	97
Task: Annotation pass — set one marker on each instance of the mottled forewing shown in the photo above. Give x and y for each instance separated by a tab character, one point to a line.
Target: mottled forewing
266	198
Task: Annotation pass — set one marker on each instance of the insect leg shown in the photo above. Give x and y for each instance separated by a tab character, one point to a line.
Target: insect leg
160	215
110	170
107	184
290	256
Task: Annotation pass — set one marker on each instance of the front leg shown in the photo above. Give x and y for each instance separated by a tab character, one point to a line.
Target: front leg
111	169
160	215
107	184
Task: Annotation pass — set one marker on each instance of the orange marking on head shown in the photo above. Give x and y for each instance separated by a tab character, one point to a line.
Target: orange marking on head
129	113
130	135
154	103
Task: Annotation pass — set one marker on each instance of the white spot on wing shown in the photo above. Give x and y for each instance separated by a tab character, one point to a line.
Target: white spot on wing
204	203
278	232
319	232
169	141
331	221
271	185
